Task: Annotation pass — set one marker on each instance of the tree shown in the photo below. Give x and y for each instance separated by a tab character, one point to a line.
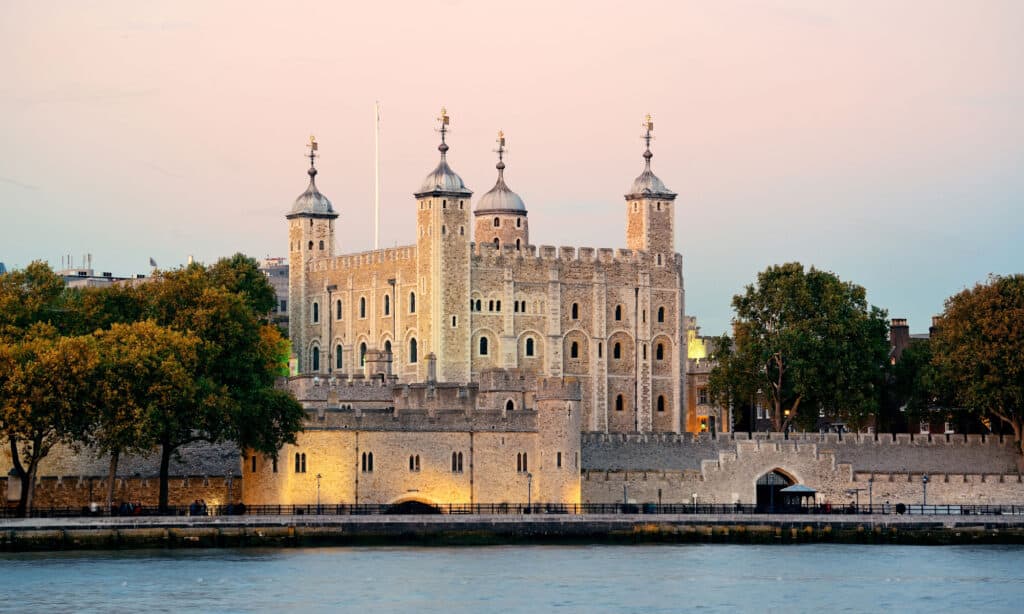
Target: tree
806	338
146	371
48	398
733	381
979	350
27	296
238	357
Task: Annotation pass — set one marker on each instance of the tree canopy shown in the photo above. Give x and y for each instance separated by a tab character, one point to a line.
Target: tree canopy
979	350
803	338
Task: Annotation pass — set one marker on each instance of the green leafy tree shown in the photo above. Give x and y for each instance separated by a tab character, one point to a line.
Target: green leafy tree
806	338
979	350
147	371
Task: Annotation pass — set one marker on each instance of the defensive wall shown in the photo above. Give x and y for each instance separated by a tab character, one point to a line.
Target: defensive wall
679	468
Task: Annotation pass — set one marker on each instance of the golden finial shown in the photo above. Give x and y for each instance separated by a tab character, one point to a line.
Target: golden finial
444	119
501	138
313	147
648	122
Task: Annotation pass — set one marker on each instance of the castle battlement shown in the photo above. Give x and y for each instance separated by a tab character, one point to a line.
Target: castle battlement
487	254
567	388
421	420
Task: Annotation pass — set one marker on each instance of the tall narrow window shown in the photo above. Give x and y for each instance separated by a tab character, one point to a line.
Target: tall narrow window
412	350
338	355
518	244
661	314
273	464
316	313
558	459
387	305
519	462
362	354
519	222
529	346
321	246
661	403
574	350
483	346
412	302
618	313
617	351
411	463
509	405
303	462
497	244
337	309
497	305
298	464
600	349
497	222
618	402
575	311
316	359
659	352
254	464
460	462
515	306
369	461
490	305
417	462
363	466
455	463
645	351
525	466
362	306
387	346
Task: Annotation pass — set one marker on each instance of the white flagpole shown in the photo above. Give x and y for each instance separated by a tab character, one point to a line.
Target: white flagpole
376	175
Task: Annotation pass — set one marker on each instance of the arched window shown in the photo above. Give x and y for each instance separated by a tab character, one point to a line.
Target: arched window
412	350
600	349
338	355
363	465
316	312
455	462
478	303
574	350
387	346
661	403
310	243
490	305
412	302
617	351
659	259
387	305
497	222
497	244
659	352
303	462
411	463
519	222
337	309
298	466
575	311
525	466
460	462
518	244
362	354
618	402
362	306
618	313
316	358
509	405
661	314
497	305
369	461
529	346
519	462
483	346
515	306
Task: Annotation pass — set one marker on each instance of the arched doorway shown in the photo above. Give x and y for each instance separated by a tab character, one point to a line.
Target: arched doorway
768	487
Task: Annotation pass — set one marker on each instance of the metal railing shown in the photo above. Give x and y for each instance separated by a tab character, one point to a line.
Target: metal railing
344	509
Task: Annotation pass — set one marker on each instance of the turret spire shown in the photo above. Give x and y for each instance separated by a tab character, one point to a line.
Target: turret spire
313	147
648	136
501	156
444	120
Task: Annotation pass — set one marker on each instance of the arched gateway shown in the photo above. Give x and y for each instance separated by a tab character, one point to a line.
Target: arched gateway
768	487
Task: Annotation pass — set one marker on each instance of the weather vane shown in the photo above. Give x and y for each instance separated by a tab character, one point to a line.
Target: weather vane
501	145
445	120
648	129
312	149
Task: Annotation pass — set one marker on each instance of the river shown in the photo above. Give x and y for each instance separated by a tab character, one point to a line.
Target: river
649	578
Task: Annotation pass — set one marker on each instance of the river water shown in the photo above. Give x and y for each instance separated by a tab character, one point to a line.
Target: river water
650	578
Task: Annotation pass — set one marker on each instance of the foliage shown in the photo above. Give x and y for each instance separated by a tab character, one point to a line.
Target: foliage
805	338
979	350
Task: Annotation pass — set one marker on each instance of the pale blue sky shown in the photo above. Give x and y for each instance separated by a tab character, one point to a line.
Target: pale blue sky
880	140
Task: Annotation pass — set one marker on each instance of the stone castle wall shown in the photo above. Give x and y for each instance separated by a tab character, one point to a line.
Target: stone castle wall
81	491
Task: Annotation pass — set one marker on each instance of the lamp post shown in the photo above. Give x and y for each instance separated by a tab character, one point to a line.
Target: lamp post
231	478
529	492
871	497
924	491
318	494
785	423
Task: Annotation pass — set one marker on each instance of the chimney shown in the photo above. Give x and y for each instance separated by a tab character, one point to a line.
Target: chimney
934	328
899	337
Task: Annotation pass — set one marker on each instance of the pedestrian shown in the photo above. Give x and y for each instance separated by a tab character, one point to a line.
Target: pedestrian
885	507
193	508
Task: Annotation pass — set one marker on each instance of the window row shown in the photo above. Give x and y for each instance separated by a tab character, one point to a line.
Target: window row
339	307
477	305
339	355
519	222
659	403
574	313
484	346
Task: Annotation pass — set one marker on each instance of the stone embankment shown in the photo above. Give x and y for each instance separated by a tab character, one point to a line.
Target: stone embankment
295	531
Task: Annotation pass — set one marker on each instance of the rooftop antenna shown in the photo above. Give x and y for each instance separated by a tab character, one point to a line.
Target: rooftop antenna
376	175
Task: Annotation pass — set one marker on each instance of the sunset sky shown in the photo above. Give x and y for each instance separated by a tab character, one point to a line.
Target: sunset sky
881	140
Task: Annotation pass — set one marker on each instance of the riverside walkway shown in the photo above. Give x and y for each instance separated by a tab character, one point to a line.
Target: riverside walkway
26	534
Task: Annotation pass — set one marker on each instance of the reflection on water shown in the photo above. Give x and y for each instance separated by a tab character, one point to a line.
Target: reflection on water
713	578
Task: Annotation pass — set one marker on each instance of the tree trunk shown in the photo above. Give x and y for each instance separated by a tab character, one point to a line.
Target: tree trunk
29	490
111	476
165	467
20	472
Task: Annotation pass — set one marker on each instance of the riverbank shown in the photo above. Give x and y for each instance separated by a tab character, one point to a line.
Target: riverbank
38	534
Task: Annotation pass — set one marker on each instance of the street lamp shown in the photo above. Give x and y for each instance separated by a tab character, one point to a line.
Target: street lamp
529	491
318	494
924	491
231	478
871	498
785	423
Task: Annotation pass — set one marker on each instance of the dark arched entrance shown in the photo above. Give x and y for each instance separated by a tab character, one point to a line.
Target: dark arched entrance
768	487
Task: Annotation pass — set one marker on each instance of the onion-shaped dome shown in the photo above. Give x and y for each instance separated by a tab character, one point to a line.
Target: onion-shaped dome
500	199
443	180
312	201
647	185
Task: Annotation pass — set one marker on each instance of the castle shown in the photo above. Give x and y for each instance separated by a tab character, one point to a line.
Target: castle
475	348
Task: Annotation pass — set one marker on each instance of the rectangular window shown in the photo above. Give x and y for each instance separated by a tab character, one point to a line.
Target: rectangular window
284	306
254	464
702	396
558	459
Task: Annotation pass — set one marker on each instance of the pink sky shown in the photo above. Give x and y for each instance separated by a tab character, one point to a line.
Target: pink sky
881	140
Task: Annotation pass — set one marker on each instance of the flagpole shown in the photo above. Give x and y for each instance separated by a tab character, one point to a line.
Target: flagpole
376	175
